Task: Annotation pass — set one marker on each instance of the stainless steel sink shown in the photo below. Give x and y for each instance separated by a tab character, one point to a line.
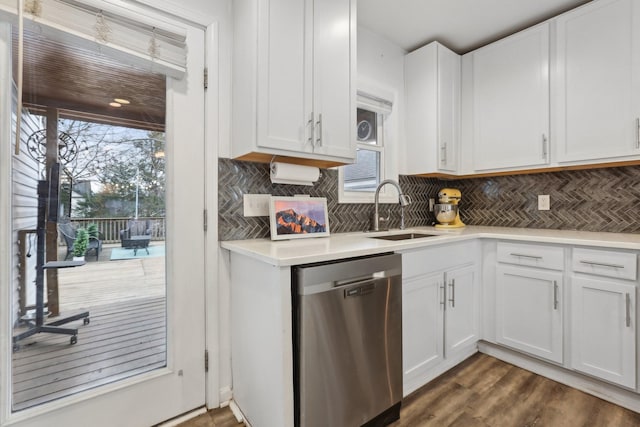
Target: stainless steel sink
404	236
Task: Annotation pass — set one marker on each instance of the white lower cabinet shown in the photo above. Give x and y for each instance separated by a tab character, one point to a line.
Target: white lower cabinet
439	315
599	337
460	322
529	302
603	329
422	326
529	312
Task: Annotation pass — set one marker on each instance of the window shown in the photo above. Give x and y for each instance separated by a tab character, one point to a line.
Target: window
365	174
358	181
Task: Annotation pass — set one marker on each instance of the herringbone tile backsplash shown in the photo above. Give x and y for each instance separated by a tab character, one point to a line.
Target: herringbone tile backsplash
591	200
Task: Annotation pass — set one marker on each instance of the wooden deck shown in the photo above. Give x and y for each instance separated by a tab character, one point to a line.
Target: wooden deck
104	281
126	334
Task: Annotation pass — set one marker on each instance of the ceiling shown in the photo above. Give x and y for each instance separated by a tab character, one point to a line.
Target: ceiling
81	83
461	25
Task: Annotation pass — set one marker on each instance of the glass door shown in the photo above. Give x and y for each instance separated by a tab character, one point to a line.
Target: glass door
103	242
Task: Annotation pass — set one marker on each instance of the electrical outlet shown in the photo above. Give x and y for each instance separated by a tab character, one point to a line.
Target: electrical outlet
432	202
544	202
256	204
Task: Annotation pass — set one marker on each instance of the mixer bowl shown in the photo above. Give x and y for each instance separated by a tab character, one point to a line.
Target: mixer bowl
445	212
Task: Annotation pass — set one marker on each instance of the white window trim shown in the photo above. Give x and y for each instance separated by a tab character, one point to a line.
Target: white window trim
389	149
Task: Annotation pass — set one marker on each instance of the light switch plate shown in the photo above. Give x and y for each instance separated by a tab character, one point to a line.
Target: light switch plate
256	204
544	202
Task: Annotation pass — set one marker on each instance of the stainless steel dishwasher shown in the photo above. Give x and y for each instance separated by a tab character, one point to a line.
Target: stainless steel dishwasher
348	342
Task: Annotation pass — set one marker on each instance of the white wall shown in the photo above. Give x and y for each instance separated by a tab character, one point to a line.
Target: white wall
381	70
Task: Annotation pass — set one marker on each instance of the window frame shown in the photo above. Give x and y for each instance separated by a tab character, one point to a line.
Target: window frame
387	146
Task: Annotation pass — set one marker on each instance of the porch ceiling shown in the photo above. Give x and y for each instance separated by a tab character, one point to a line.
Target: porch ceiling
81	83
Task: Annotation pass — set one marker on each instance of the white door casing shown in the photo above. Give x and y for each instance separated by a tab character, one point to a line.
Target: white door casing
179	387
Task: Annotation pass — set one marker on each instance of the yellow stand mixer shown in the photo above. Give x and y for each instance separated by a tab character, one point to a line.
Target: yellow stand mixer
447	211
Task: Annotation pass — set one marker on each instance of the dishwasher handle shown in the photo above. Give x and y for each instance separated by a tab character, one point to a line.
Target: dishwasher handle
354	281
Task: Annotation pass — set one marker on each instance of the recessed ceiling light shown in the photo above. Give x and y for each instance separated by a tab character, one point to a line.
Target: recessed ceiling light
115	104
122	101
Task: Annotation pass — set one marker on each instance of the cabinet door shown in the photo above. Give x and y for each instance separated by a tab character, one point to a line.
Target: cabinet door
603	327
284	76
448	109
422	327
432	96
529	310
461	313
333	68
511	101
598	83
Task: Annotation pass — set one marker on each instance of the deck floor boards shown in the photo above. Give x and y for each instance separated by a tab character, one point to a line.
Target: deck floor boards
126	335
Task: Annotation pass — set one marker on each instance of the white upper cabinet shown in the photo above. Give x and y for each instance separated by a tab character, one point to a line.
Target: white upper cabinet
432	85
333	83
510	102
598	81
293	79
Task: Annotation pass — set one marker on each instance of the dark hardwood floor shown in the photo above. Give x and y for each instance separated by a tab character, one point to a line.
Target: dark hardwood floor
484	391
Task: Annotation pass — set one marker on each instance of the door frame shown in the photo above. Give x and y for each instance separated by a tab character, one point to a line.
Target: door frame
180	386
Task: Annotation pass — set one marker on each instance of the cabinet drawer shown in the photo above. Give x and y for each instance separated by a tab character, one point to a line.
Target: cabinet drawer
621	265
550	257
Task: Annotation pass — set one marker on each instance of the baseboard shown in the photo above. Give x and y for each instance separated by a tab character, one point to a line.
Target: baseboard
225	395
605	391
238	413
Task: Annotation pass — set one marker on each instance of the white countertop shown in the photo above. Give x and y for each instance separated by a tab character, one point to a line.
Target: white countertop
346	245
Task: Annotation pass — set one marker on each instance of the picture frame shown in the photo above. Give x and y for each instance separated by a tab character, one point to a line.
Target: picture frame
298	217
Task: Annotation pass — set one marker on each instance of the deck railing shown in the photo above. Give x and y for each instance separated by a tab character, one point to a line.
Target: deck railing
110	227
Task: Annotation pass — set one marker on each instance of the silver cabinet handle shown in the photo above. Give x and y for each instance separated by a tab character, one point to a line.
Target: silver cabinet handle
601	264
452	300
628	304
310	125
319	124
637	132
544	146
555	295
526	256
442	288
443	156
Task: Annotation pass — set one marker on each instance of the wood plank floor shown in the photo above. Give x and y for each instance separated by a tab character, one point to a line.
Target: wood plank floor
122	340
486	392
126	335
104	282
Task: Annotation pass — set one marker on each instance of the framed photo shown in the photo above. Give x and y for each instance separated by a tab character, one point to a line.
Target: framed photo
298	217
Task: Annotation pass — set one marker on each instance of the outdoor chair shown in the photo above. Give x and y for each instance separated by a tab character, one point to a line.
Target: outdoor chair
137	234
68	233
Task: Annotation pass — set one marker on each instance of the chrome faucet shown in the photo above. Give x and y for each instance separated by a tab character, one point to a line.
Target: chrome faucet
403	199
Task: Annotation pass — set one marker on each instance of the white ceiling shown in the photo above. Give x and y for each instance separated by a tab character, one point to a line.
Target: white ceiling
461	25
